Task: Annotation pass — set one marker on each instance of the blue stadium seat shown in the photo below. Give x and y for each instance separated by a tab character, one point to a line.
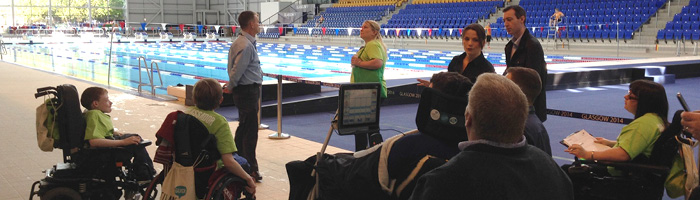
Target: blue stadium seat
668	34
678	34
628	34
576	34
687	34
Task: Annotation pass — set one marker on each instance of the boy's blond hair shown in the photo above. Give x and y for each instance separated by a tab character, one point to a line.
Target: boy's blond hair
207	94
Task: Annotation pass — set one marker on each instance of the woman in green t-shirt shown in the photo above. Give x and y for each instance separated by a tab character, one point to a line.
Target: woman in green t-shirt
369	62
646	100
368	66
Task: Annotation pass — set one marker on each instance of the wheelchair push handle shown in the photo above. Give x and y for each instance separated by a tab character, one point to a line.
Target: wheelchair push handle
44	93
39	90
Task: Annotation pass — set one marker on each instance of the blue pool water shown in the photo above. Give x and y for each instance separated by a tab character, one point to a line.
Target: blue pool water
185	63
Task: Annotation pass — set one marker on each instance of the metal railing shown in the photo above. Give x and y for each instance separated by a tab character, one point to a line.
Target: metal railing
56	31
149	72
3	50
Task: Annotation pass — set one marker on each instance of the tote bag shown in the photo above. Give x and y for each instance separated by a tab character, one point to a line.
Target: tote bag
179	183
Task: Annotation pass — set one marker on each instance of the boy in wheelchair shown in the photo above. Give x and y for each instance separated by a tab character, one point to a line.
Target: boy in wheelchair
89	173
208	95
197	150
99	132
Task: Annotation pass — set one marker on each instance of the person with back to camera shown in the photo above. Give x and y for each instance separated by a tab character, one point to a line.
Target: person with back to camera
525	50
472	62
529	82
388	168
646	100
368	66
208	95
245	79
99	131
496	162
411	148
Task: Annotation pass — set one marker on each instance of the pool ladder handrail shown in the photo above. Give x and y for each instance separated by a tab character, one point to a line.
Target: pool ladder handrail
3	50
149	72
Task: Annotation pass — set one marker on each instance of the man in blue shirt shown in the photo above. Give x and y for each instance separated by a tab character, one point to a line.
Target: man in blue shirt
245	79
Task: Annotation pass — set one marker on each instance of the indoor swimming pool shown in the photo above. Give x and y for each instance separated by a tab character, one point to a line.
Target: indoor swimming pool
185	63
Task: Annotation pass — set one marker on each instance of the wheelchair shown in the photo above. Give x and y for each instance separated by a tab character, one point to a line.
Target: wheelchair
85	173
187	142
345	176
643	177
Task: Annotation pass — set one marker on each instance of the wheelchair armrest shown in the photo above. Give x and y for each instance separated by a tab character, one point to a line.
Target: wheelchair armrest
145	142
106	149
628	166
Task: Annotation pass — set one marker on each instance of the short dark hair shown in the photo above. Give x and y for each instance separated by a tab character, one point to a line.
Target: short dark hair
528	80
480	33
245	17
90	95
207	94
451	83
651	98
519	11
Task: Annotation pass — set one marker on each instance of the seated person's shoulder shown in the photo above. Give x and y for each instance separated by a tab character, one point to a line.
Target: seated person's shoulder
93	113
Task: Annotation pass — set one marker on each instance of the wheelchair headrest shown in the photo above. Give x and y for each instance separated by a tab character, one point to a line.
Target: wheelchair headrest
71	125
666	145
441	116
191	139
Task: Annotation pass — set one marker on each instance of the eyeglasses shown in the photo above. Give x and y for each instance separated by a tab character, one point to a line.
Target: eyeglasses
629	96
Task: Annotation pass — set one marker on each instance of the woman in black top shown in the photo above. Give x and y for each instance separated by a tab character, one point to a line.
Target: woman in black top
471	63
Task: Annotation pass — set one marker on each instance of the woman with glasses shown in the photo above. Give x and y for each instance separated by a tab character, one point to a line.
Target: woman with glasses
646	100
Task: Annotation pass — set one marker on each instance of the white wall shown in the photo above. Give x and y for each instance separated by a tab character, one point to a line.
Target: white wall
269	9
183	11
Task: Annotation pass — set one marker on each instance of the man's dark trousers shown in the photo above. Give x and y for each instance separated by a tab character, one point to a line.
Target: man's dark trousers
246	98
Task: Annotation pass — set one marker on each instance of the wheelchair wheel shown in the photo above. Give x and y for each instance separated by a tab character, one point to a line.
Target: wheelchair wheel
151	192
61	193
227	187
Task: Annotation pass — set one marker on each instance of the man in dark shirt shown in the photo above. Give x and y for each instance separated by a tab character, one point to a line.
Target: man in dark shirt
524	50
529	82
496	162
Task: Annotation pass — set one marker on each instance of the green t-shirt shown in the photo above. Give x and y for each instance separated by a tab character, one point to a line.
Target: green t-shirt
638	137
217	125
372	50
98	125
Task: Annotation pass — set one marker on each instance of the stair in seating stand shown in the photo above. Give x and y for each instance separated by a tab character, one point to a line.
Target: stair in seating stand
657	74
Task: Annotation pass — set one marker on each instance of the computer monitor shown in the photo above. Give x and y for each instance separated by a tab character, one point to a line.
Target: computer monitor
358	111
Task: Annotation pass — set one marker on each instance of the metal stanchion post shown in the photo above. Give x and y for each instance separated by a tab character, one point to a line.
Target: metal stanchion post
279	134
109	62
260	124
618	38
